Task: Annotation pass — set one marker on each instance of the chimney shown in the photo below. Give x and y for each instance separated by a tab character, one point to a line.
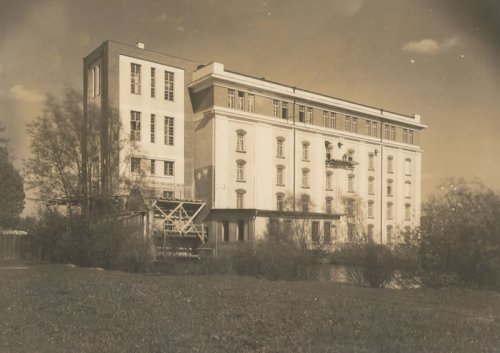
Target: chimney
140	45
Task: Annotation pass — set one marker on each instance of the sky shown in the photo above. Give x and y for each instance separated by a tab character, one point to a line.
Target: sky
436	58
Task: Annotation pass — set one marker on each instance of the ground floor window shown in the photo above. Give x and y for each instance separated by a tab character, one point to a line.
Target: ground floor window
315	231
225	226
241	230
327	231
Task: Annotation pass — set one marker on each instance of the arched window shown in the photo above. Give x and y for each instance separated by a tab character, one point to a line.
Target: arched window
408	189
371	185
240	170
305	151
407	212
390	187
328	205
350	183
408	166
280	197
389	234
305	178
371	213
305	203
328	180
240	140
280	141
390	164
390	210
280	175
370	231
240	198
371	161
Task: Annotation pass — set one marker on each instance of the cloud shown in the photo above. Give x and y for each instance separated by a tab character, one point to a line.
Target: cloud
429	46
19	93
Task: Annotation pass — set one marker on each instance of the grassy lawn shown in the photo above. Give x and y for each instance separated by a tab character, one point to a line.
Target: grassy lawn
55	308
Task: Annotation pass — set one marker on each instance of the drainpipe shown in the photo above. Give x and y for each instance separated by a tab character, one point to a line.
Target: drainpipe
381	177
294	148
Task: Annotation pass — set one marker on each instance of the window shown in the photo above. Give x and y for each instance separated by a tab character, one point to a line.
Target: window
407	212
304	200
371	128
329	119
389	210
347	123
279	147
135	165
302	113
370	209
309	115
351	231
240	198
240	140
393	133
370	231
390	189
328	180
241	100
390	132
389	234
410	137
407	136
350	183
354	124
168	137
371	161
225	230
153	118
407	166
251	102
305	178
135	126
390	164
371	185
153	82
169	86
305	151
284	110
386	132
279	175
168	194
168	168
230	98
327	232
315	231
240	170
408	189
350	207
135	78
153	163
328	205
374	129
276	108
241	230
279	202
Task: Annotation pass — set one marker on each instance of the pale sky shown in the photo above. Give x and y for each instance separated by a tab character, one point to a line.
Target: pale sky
437	58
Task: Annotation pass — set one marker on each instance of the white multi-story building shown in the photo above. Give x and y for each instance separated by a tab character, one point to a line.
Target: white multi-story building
259	152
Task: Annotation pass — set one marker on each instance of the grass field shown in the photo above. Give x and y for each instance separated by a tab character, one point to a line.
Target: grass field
56	308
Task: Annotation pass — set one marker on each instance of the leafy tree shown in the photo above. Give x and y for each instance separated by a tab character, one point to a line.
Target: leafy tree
460	234
11	188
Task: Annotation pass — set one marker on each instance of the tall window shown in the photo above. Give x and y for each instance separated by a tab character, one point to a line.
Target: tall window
390	210
351	231
350	207
135	126
389	234
348	123
240	198
279	175
284	110
327	232
169	86
374	129
251	102
410	136
309	115
241	100
230	98
407	166
302	113
405	135
153	82
371	161
354	124
371	185
279	147
276	108
328	205
241	230
371	128
305	178
135	165
329	119
153	118
168	168
386	132
371	213
169	131
279	202
240	140
328	180
408	189
350	183
315	231
393	133
152	167
305	151
304	200
390	132
240	170
370	231
390	164
135	78
407	212
390	187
